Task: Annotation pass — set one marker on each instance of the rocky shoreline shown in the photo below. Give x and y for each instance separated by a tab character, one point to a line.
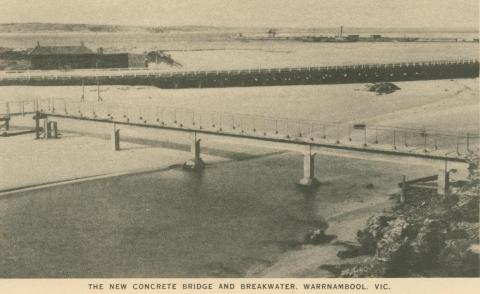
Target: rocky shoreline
428	235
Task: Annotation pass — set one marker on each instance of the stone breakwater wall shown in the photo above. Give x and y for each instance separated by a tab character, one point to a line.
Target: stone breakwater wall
364	73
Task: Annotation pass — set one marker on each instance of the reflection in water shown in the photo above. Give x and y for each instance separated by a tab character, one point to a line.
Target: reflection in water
218	223
166	224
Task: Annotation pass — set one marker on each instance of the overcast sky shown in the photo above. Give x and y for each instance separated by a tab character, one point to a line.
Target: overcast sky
264	13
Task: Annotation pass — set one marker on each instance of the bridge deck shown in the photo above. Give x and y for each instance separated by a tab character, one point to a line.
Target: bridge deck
387	140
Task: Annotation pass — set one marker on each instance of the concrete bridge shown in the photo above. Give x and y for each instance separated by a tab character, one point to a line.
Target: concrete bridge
361	73
306	136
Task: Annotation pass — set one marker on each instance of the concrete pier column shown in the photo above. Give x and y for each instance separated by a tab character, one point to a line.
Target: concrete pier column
196	163
36	117
53	129
115	138
46	129
308	168
443	182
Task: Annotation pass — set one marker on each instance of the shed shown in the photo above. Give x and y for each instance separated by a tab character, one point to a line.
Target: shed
62	57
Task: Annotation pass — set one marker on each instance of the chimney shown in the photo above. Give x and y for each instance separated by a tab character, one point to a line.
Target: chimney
38	43
100	50
341	30
82	44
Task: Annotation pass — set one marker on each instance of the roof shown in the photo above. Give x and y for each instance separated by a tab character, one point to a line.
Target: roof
60	50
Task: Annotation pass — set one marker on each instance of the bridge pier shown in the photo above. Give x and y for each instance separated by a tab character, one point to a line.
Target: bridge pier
47	128
196	163
443	182
308	179
115	138
52	130
38	130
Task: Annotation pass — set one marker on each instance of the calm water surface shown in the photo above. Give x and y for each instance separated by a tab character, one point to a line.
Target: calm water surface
178	224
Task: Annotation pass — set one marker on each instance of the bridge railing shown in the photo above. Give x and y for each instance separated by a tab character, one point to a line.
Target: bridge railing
296	130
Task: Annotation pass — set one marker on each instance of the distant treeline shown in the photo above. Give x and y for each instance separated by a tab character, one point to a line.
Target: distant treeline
59	27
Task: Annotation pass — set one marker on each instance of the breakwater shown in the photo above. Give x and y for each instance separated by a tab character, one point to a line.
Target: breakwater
363	73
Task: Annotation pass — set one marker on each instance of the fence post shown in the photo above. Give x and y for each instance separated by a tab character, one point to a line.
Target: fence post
458	152
394	139
425	143
365	137
337	135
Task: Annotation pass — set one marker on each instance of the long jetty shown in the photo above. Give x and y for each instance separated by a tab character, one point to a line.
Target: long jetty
362	73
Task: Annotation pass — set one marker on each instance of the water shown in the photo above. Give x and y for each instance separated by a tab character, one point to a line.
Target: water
211	52
178	224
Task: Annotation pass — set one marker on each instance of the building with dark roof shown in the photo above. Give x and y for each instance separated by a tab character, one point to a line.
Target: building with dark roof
76	57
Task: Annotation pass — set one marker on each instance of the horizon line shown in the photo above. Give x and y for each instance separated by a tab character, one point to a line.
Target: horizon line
230	26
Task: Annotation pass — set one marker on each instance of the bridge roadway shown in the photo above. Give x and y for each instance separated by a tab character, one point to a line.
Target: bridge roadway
361	73
307	136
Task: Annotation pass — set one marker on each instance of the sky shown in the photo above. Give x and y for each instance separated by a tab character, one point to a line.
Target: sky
247	13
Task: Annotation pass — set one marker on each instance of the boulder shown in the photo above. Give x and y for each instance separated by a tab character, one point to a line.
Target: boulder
376	226
318	236
464	230
394	249
466	208
428	243
383	88
371	267
460	259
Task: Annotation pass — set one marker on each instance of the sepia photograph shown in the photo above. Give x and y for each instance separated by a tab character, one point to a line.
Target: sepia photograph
239	139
